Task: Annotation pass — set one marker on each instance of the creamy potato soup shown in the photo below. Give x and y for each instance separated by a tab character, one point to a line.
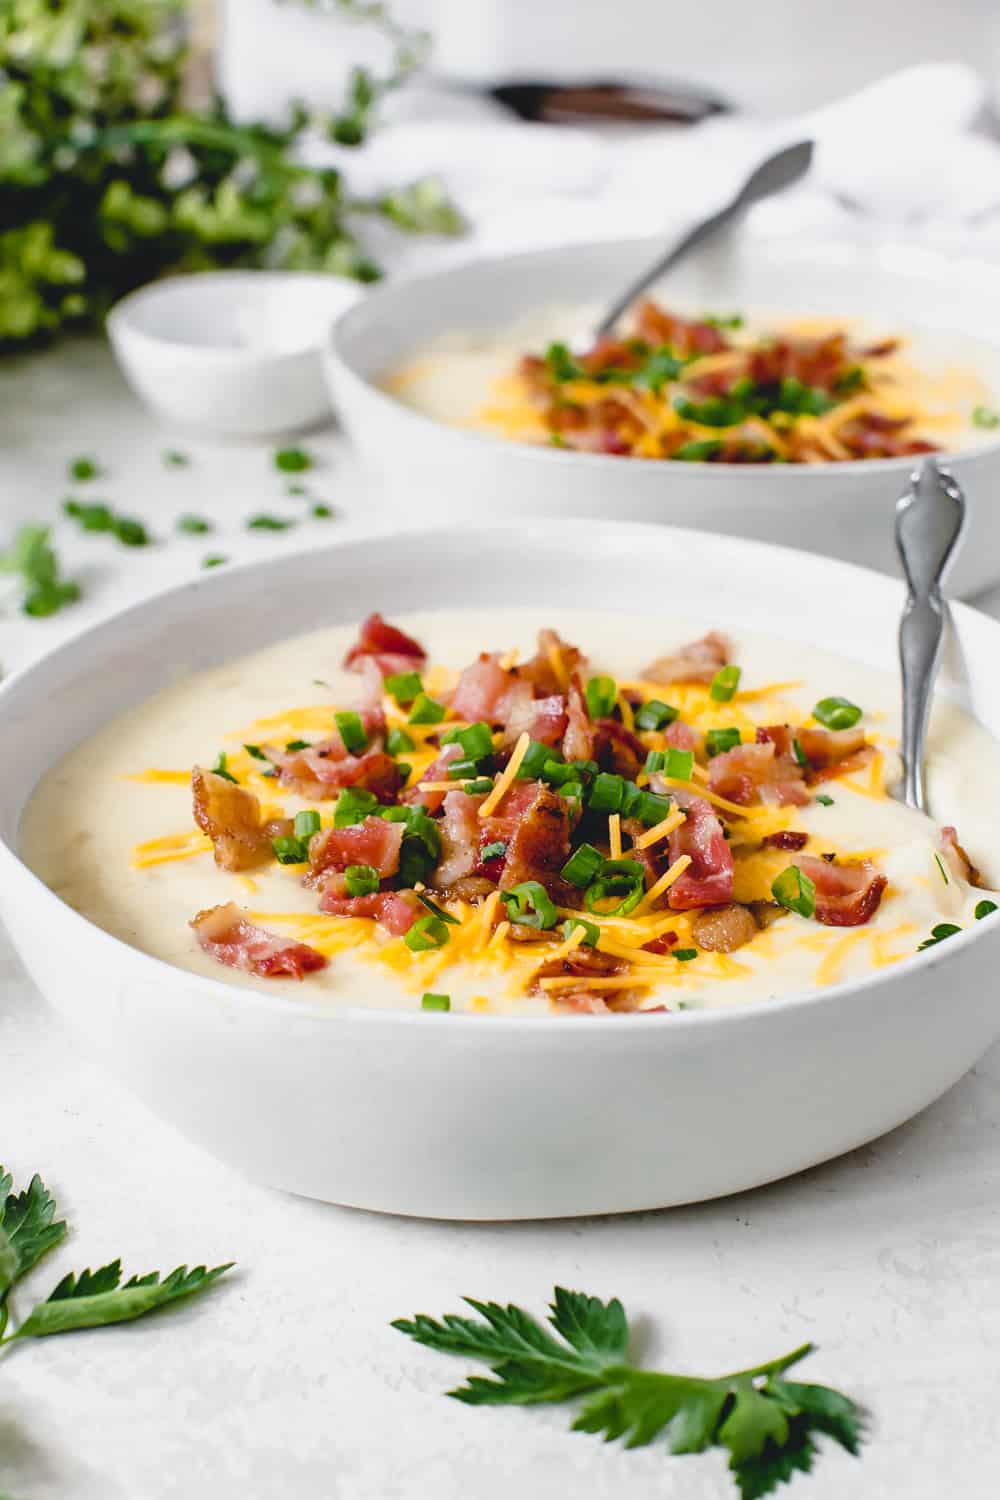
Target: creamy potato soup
463	811
731	389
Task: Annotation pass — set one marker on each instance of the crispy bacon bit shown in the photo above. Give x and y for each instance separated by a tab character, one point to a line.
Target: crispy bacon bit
583	961
958	858
324	770
681	736
846	895
708	880
396	911
758	773
661	944
724	930
617	749
391	649
543	718
374	842
829	752
578	741
685	337
787	838
230	816
227	934
541	673
460	834
581	1003
482	691
536	825
437	771
698	661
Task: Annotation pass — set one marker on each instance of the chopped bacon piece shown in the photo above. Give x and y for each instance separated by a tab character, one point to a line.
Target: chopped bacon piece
391	649
661	944
482	691
698	661
324	770
416	796
846	895
230	816
958	858
685	336
786	838
578	741
396	911
830	752
758	773
581	1003
544	718
227	934
374	842
540	671
724	929
583	961
708	880
681	736
460	835
617	749
535	824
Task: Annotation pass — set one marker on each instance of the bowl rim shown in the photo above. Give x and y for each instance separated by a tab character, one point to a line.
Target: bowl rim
793	248
348	1014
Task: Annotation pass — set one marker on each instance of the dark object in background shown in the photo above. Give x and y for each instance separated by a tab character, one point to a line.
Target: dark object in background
624	103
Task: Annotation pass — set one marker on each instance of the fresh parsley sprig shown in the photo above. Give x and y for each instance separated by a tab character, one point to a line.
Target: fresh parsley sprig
34	560
768	1425
86	1299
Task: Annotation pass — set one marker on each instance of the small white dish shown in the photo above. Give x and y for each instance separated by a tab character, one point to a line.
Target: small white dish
231	353
844	510
495	1117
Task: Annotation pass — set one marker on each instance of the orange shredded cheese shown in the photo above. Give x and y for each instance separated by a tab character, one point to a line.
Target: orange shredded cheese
506	778
664	883
661	830
615	835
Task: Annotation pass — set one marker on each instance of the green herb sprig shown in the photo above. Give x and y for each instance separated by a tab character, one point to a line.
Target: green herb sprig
766	1424
33	559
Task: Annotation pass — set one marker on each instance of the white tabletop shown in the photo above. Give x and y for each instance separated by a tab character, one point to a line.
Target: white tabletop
287	1381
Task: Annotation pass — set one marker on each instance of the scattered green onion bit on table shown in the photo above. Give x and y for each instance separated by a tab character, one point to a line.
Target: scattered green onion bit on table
582	866
496	850
655	715
398	742
724	684
679	764
221	768
82	469
405	687
621	881
984	909
684	955
601	694
321	512
429	1001
717	741
174	459
938	934
437	911
426	710
92	517
265	522
591	931
361	880
307	823
795	891
292	460
351	731
194	525
986	417
426	933
530	905
214	560
837	713
296	491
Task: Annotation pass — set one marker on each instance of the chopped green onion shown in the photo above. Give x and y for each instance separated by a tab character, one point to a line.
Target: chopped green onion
618	878
823	799
265	522
83	469
800	755
985	416
717	741
428	1001
684	955
591	931
95	517
852	379
984	909
398	742
421	848
296	491
606	793
307	823
214	560
655	761
651	808
404	687
297	745
130	533
571	790
361	880
529	905
353	805
479	787
837	713
795	891
426	710
496	850
476	740
734	320
437	911
221	768
255	751
702	450
289	851
941	869
461	770
321	512
938	934
175	460
561	365
601	694
351	731
680	764
194	525
426	933
405	771
724	684
292	460
655	715
660	367
535	758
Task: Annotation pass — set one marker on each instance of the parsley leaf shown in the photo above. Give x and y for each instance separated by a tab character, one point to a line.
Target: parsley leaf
94	1299
28	1228
767	1425
34	559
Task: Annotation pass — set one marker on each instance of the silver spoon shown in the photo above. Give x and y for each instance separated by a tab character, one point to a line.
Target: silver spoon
930	517
778	172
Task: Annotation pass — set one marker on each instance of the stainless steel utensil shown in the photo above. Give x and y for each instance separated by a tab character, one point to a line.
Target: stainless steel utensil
778	172
930	517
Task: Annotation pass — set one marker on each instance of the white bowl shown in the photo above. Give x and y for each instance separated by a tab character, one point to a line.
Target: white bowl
231	353
840	509
486	1117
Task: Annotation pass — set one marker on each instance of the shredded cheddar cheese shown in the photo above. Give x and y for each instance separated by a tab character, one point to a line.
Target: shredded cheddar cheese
661	830
615	835
664	883
506	778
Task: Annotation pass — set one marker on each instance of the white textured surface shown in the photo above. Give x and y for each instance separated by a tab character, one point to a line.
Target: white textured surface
288	1382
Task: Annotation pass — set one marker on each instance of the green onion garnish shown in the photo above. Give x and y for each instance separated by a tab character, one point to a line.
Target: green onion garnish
429	1001
984	909
837	713
684	955
214	560
265	522
795	891
404	687
130	533
297	745
405	771
983	416
703	450
717	741
476	740
655	761
255	751
606	793
437	911
496	850
591	931
194	525
426	933
94	517
601	694
619	880
351	731
289	851
462	769
83	469
321	512
426	710
823	799
361	880
398	742
353	805
307	823
651	808
534	760
292	460
582	865
561	364
941	869
479	787
938	934
529	905
724	684
680	764
221	768
175	459
800	755
655	715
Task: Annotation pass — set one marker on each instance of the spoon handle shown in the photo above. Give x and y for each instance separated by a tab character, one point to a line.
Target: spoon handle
930	517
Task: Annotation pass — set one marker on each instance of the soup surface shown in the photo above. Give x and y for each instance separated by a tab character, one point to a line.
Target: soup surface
741	846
